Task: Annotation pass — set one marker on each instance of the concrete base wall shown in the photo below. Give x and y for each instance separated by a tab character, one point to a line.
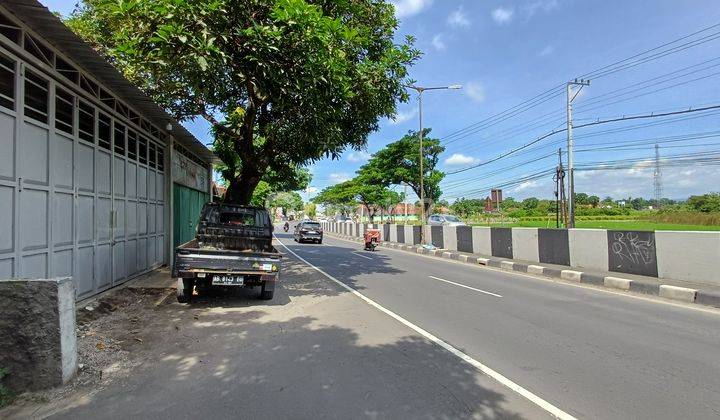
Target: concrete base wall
681	255
481	240
393	233
589	248
408	234
525	244
450	238
692	256
37	326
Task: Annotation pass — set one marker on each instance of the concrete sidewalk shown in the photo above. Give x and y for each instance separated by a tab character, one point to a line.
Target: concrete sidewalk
156	279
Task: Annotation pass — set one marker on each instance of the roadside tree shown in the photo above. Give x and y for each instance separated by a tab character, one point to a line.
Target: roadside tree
283	83
399	163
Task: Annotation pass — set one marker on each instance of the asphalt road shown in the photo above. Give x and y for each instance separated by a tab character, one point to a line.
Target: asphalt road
590	353
315	351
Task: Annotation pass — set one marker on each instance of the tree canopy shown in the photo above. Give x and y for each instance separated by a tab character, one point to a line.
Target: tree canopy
283	83
399	163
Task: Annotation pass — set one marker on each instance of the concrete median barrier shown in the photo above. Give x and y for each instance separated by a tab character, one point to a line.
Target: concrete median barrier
617	283
678	293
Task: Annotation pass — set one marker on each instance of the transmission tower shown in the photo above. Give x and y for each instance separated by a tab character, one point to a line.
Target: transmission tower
657	177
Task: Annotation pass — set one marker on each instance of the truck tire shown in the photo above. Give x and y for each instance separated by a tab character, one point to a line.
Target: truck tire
266	294
184	290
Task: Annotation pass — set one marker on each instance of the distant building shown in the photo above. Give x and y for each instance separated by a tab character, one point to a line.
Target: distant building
496	197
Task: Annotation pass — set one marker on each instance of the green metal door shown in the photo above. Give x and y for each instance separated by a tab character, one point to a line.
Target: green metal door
187	204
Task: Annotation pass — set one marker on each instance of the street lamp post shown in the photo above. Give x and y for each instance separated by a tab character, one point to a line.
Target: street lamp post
420	90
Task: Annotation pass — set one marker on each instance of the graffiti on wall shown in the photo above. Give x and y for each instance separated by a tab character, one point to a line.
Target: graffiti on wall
632	252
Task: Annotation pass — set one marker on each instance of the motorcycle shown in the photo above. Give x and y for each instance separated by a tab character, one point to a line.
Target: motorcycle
371	238
286	227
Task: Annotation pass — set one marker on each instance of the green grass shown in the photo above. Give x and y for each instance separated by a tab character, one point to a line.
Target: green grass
610	224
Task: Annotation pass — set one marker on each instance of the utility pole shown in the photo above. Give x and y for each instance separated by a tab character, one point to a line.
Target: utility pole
571	184
405	203
559	175
420	90
657	177
422	173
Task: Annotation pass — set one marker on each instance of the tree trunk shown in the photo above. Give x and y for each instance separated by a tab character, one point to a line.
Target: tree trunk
240	190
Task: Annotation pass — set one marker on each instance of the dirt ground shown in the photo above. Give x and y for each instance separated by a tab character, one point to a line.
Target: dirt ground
114	334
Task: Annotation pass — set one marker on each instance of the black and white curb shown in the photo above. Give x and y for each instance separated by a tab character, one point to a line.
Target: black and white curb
682	294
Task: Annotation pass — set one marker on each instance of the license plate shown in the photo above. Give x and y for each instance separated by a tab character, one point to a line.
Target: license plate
228	280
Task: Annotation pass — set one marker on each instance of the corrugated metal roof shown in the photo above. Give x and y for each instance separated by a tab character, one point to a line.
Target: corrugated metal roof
38	18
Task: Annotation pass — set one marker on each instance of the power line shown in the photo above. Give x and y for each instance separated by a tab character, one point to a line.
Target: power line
606	99
637	144
597	73
699	158
597	122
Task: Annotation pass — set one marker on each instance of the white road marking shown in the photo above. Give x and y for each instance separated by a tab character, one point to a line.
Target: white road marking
561	282
467	287
545	405
360	255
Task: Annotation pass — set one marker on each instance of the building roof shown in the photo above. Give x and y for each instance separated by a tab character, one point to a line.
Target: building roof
38	18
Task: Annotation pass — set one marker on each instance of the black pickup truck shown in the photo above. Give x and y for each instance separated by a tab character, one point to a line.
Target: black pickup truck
232	248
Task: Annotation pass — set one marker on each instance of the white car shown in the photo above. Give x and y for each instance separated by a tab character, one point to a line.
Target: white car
444	220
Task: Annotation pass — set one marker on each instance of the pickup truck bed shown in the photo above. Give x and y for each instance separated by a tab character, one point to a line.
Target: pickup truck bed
205	267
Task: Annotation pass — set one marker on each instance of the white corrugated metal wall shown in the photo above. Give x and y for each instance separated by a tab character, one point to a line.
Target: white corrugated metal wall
83	191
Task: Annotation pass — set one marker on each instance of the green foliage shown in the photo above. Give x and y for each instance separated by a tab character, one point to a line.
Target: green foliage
467	207
705	203
272	183
261	194
399	163
283	83
530	203
349	194
311	210
287	201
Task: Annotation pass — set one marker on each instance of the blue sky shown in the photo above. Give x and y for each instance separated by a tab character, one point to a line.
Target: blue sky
505	52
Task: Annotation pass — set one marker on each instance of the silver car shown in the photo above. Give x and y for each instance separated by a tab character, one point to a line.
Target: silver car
444	220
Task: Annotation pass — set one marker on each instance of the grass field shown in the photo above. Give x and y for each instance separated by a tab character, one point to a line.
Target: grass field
611	224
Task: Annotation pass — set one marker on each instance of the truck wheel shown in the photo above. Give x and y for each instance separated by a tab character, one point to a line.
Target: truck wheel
266	294
184	290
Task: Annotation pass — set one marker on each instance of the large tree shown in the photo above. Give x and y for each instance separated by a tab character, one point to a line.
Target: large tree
339	196
399	163
282	82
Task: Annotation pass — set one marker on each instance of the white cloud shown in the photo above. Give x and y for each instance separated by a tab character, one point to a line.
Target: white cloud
458	18
356	156
532	8
678	183
338	177
525	185
405	8
546	51
438	42
311	190
475	91
502	15
402	117
458	159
